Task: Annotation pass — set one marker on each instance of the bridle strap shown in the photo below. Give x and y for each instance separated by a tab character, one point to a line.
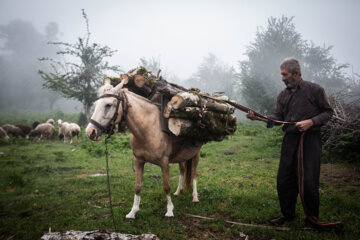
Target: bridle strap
121	97
98	125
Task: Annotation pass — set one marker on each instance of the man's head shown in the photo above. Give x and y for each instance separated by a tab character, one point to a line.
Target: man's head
290	72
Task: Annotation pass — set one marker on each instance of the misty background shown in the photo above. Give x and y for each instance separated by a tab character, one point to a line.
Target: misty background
212	45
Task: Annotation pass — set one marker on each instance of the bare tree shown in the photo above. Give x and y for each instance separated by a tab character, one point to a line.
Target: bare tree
79	80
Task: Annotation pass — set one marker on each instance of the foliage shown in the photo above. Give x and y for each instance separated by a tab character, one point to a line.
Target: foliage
152	65
259	76
213	76
79	80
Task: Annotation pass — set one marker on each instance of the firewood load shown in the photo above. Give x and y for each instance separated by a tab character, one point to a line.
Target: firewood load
189	112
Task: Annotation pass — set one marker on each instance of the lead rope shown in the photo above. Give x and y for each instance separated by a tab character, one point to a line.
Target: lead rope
301	176
108	181
107	170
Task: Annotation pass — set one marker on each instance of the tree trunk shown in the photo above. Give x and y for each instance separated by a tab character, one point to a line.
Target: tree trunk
87	108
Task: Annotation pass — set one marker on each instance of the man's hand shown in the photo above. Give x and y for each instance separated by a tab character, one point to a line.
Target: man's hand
304	125
251	115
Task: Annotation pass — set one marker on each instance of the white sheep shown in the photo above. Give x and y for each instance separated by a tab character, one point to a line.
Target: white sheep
68	130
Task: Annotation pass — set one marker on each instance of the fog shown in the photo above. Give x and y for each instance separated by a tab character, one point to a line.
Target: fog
178	33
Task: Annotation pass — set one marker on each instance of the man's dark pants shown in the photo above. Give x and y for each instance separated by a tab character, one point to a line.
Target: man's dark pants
287	183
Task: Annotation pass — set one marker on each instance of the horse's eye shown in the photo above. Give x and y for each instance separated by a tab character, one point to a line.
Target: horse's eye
108	105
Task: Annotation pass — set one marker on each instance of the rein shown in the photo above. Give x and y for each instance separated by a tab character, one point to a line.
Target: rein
121	97
246	109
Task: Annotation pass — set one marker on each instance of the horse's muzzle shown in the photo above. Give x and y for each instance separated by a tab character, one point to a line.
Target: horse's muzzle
93	133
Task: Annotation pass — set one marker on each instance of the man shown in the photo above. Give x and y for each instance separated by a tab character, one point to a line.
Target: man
305	104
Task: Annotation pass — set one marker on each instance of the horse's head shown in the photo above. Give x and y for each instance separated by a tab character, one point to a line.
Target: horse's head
108	110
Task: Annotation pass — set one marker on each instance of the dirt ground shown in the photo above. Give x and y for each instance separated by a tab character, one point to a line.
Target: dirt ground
340	176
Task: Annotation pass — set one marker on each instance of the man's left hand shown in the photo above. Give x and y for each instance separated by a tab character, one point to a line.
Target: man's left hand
304	125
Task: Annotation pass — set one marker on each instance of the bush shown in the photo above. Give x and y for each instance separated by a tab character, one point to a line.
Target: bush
345	150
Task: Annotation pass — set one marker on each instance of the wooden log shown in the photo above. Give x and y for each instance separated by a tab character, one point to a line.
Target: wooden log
211	127
179	127
219	107
98	234
186	99
168	89
138	80
193	113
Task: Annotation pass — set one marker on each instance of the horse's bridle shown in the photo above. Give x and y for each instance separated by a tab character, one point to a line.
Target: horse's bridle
121	97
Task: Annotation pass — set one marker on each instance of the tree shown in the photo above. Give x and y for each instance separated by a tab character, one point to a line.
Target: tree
213	76
79	80
259	78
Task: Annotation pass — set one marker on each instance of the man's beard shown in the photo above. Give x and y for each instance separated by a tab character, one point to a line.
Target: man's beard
290	82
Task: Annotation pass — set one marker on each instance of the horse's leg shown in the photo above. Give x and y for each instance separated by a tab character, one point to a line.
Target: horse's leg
195	162
181	178
71	138
166	183
139	170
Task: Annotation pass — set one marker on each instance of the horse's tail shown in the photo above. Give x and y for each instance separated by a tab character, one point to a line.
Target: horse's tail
191	169
188	173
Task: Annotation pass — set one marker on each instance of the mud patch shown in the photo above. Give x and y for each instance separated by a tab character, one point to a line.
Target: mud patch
99	174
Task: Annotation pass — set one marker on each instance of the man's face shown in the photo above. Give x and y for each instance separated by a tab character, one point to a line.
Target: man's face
288	78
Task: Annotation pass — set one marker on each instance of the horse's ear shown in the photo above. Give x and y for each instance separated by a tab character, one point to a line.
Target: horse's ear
106	87
107	81
119	86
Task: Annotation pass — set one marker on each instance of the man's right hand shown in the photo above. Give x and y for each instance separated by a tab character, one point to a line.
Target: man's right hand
250	115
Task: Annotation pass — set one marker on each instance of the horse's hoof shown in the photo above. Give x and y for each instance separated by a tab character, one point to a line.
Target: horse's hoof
129	218
195	200
169	217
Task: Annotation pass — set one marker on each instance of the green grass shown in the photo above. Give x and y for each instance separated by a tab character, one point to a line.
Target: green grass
47	185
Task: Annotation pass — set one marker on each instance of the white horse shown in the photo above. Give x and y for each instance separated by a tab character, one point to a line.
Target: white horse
148	142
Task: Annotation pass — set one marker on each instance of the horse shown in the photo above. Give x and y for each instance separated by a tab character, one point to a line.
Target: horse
148	142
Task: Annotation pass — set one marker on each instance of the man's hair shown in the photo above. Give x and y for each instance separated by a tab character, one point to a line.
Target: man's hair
292	65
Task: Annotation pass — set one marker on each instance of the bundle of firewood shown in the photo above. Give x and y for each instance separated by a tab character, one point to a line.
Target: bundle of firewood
345	123
189	112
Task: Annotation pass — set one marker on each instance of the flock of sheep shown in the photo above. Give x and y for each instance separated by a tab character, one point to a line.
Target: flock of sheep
41	130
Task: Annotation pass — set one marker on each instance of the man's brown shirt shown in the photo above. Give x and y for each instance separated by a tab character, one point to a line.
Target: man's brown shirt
309	101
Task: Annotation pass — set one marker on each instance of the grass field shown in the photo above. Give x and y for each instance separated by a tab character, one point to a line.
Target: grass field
51	185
